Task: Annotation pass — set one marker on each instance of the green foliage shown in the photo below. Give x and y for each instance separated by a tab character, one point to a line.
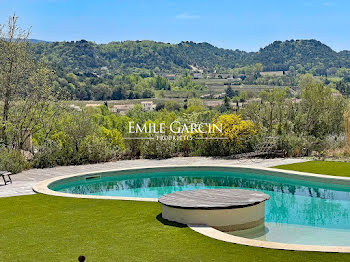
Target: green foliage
113	138
26	89
95	149
281	55
237	136
186	82
142	57
49	154
343	87
231	93
96	134
172	106
226	105
12	161
303	123
134	69
295	145
80	137
158	149
162	83
321	111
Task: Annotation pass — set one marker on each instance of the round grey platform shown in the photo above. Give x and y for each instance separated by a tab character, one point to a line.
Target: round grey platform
213	199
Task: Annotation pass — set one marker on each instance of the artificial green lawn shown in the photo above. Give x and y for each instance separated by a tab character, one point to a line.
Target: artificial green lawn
47	228
320	167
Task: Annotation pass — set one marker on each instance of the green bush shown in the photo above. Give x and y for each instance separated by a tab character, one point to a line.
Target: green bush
50	154
158	149
294	145
94	149
12	161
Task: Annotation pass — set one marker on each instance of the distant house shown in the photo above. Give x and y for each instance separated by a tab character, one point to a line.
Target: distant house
237	105
274	73
92	105
220	76
148	106
205	96
75	107
224	76
254	100
91	74
213	103
170	76
104	68
242	76
296	100
197	75
236	81
121	109
336	94
219	96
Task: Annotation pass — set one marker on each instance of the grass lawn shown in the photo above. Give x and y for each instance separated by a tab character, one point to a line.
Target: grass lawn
320	167
48	228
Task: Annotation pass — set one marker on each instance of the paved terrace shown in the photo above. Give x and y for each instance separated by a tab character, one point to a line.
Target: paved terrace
24	181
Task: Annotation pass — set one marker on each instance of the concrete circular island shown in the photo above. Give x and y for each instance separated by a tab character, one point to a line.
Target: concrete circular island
223	209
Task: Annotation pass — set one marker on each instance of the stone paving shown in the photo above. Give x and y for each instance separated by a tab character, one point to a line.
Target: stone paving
24	181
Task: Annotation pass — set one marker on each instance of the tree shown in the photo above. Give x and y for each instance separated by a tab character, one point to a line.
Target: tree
118	94
343	87
15	65
147	93
236	135
229	92
322	111
211	91
101	92
292	71
26	88
172	106
227	105
162	83
131	95
273	107
243	96
258	67
306	79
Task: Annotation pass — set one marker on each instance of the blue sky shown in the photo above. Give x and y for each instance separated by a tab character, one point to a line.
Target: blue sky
246	25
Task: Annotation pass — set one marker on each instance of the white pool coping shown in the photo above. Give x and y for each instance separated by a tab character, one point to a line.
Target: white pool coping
216	234
43	188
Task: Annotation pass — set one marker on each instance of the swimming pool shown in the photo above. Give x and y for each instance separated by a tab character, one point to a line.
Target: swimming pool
300	210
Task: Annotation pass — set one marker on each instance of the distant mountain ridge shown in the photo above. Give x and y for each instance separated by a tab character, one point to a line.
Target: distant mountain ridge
38	41
135	56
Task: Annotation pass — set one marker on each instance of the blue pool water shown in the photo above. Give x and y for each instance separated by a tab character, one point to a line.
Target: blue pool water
298	212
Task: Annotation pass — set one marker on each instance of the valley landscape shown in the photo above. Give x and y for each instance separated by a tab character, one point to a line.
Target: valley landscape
96	129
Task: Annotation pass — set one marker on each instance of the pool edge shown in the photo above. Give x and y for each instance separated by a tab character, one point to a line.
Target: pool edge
222	236
43	186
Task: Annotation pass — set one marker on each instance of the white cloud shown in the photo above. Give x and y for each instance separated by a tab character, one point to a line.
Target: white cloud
328	3
187	16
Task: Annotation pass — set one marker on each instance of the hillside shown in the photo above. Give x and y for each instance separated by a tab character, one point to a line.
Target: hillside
135	56
37	41
304	52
